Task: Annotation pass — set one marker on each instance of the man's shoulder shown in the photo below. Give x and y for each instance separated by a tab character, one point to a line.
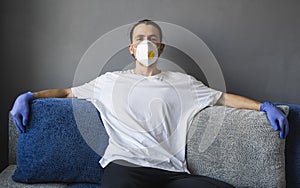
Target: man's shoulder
177	75
181	78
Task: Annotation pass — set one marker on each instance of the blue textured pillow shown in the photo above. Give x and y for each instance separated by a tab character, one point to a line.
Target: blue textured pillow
53	149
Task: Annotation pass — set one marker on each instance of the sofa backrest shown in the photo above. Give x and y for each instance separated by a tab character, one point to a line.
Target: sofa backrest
292	142
12	141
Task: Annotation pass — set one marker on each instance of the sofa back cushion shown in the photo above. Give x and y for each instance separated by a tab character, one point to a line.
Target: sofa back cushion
236	146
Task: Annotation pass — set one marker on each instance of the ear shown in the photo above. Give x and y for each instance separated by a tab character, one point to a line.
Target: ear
161	48
130	48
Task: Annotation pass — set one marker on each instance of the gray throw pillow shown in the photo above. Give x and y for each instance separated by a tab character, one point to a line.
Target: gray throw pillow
237	146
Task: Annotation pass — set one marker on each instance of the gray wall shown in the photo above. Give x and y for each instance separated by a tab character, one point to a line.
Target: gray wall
256	43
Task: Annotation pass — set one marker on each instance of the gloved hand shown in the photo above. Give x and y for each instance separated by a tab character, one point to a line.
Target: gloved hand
21	109
277	118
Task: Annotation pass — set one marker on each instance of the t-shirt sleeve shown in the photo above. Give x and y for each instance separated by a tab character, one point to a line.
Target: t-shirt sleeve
85	91
204	95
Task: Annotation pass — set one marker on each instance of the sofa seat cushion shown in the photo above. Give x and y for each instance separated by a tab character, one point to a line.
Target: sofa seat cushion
236	146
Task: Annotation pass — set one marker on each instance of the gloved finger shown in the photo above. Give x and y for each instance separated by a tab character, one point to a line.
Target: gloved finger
274	124
281	127
25	115
283	123
281	133
17	121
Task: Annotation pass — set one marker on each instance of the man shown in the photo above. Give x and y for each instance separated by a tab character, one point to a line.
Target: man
146	113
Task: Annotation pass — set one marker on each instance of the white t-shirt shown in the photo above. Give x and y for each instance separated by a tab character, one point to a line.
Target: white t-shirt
147	117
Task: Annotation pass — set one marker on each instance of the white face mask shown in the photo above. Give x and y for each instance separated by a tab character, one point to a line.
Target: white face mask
146	53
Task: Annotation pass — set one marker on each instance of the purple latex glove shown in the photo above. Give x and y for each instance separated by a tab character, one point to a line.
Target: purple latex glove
21	109
277	118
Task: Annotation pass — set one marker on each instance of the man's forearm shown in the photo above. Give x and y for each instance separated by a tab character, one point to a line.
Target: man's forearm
237	101
53	93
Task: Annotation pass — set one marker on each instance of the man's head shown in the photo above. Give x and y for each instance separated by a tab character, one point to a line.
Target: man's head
145	30
145	22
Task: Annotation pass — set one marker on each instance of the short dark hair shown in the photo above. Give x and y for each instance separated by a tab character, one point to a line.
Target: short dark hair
147	22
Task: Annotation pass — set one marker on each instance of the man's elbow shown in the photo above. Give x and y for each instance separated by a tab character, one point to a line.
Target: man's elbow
69	93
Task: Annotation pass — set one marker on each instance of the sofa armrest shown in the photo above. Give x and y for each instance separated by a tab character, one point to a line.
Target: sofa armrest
12	140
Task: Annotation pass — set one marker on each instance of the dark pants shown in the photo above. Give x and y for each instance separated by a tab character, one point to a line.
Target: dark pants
124	176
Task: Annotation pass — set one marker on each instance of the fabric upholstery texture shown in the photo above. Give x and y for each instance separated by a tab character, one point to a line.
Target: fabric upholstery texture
84	185
236	146
53	148
292	147
12	140
7	182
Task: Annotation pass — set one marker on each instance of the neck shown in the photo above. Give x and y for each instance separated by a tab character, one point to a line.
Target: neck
146	71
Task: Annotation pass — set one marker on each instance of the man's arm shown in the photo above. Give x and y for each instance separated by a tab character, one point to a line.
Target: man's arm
276	117
54	93
237	101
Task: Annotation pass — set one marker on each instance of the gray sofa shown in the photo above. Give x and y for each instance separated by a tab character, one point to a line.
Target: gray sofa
233	145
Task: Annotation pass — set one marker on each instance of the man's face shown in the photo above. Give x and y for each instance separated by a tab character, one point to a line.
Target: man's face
145	32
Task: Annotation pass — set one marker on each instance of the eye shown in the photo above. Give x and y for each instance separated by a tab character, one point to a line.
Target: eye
153	39
138	38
